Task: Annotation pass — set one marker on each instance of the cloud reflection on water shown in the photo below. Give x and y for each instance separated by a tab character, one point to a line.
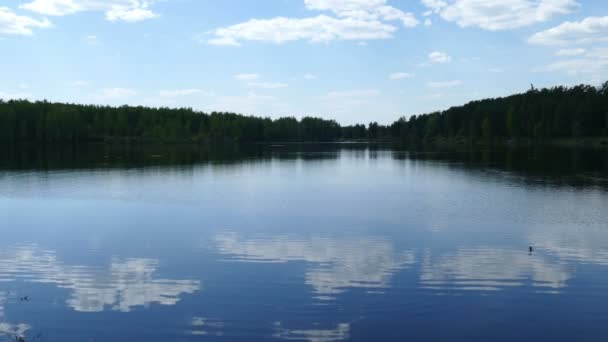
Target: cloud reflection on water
340	332
126	284
9	329
491	269
335	264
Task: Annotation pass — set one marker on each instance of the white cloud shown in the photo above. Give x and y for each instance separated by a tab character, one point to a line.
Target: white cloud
130	15
588	31
364	10
439	57
444	84
428	22
247	77
268	85
400	75
434	5
570	52
114	10
315	29
354	20
497	15
310	77
183	92
11	23
593	62
55	7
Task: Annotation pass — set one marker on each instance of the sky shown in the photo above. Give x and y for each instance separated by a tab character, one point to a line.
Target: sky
355	61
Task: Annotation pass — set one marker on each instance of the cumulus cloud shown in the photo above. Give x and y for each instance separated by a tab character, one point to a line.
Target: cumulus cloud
11	23
589	30
434	5
114	10
130	15
400	75
497	15
310	77
593	62
438	57
350	20
571	52
363	9
444	84
317	29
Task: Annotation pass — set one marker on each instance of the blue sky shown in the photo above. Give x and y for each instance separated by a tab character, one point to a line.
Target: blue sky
351	60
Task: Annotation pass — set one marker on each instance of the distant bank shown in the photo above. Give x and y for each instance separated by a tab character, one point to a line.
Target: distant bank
560	115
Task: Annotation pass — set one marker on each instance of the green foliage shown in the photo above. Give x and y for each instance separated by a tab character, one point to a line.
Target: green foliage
22	120
559	112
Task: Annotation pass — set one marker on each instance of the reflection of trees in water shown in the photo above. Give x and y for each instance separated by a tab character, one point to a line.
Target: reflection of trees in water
532	166
335	264
538	165
127	283
100	156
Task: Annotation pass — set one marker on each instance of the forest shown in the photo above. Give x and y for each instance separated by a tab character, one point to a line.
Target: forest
550	113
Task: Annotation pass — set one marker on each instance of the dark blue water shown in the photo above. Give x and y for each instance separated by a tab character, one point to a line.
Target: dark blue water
310	243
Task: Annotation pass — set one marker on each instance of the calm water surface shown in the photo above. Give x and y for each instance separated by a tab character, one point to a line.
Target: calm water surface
311	243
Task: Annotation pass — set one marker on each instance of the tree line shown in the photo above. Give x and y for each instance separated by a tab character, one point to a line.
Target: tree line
42	121
550	113
558	112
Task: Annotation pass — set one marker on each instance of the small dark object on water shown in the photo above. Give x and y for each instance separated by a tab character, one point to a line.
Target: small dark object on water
531	249
25	299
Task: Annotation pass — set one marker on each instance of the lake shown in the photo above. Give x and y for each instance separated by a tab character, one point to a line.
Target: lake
305	242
